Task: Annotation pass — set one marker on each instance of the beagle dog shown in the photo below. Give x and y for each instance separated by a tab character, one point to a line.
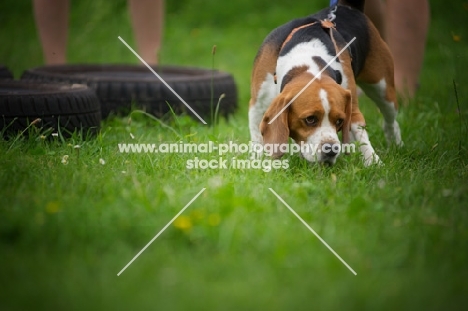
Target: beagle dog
301	89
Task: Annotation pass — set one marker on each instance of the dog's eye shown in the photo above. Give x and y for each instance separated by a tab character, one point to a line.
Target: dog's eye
311	120
339	124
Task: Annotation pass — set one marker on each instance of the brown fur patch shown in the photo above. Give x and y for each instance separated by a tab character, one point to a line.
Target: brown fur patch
294	72
355	114
379	64
265	63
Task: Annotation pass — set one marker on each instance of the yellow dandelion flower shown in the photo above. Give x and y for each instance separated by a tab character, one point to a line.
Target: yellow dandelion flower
52	207
195	32
197	214
183	223
214	220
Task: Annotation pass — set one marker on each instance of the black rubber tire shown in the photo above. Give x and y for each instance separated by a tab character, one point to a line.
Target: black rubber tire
5	73
118	86
63	107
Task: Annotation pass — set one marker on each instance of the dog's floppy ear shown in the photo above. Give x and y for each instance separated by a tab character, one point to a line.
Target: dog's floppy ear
278	131
347	121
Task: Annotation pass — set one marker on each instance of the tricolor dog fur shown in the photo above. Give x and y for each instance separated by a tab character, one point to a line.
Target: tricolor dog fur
294	54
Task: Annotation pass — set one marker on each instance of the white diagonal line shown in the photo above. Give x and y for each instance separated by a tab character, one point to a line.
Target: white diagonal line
312	230
313	79
164	82
162	230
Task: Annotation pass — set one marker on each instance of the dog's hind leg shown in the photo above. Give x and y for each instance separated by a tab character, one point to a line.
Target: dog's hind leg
377	81
378	92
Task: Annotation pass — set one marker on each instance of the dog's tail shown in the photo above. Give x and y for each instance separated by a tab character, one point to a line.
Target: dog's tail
356	4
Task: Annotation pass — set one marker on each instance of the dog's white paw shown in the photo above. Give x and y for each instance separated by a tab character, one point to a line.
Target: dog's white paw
256	150
373	159
369	156
393	134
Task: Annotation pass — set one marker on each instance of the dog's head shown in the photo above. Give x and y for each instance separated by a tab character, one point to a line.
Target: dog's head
313	119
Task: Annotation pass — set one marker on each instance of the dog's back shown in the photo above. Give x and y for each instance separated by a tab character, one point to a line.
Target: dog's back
349	20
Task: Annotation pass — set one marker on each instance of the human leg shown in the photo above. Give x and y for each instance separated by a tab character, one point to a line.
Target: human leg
147	21
52	24
407	27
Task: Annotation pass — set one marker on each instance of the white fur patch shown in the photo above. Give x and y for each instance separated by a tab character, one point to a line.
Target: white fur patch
326	133
377	92
359	134
301	55
265	96
326	107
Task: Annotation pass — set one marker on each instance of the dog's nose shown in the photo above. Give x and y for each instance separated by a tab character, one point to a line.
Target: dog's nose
330	149
330	153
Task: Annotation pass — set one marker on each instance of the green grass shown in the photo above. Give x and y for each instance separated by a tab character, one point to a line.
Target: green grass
67	230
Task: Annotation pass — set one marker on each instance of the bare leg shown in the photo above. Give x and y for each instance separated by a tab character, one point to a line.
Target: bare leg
52	23
375	10
403	25
147	20
407	26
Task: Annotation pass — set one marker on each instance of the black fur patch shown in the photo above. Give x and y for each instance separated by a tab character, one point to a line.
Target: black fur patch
334	74
339	77
308	34
351	23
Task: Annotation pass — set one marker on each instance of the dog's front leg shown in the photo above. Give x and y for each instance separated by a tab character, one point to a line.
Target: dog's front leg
259	103
358	133
256	139
256	112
